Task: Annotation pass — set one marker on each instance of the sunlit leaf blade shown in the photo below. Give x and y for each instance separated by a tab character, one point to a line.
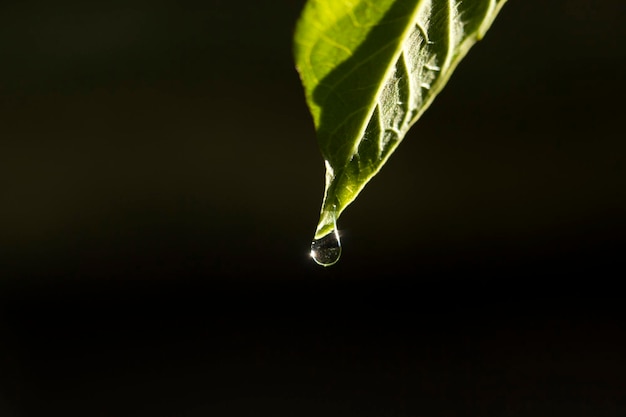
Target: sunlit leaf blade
369	70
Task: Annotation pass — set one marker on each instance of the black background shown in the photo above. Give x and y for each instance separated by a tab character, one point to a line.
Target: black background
160	184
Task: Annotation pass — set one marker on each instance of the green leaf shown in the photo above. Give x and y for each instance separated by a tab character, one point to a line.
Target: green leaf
369	70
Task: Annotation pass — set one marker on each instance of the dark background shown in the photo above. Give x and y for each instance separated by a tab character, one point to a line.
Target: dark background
160	184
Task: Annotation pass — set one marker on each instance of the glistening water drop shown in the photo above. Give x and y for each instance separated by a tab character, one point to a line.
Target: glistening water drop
326	251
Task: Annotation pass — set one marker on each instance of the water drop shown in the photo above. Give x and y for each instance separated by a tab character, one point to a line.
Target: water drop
326	250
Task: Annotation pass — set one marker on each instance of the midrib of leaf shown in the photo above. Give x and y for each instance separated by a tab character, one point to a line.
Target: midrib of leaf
393	66
425	53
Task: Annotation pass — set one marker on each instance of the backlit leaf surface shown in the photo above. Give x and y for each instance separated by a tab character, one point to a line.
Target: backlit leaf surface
369	69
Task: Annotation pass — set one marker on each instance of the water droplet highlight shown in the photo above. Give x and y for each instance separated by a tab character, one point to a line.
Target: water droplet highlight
326	251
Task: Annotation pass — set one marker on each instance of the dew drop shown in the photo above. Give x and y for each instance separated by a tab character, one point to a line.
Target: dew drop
326	250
